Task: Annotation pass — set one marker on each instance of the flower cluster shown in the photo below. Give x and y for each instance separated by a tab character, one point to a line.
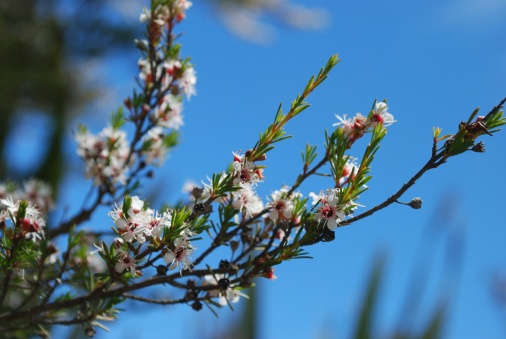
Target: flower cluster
24	217
354	128
164	78
137	224
167	113
107	155
161	16
80	287
154	149
38	193
163	71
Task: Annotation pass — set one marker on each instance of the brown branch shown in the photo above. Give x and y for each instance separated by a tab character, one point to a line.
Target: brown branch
433	162
157	301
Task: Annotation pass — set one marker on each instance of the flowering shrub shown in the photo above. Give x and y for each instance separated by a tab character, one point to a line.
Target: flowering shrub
84	284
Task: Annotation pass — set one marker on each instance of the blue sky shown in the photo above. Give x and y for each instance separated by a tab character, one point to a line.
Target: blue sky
435	62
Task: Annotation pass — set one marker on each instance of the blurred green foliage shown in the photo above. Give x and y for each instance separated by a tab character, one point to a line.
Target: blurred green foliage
40	46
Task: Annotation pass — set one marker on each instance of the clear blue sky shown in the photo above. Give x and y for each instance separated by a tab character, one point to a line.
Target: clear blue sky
434	61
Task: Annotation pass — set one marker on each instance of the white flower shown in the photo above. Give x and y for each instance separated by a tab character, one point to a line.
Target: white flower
145	15
154	224
124	263
350	167
39	194
168	113
352	127
245	171
183	4
329	211
11	206
225	296
247	200
153	148
281	206
136	225
136	206
381	115
179	256
105	155
95	262
188	81
346	123
207	190
32	225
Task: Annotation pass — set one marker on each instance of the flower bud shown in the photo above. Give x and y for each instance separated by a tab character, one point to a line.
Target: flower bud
161	270
224	264
197	192
269	273
234	245
280	234
197	305
245	282
128	103
328	235
223	283
89	332
479	147
199	208
416	203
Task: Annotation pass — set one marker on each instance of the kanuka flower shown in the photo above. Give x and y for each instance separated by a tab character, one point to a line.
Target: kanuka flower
230	294
245	171
125	262
155	223
281	206
31	223
351	167
95	262
188	81
269	273
208	189
168	112
39	194
354	128
139	222
33	226
381	115
179	256
247	201
157	21
105	155
329	212
153	148
172	69
145	73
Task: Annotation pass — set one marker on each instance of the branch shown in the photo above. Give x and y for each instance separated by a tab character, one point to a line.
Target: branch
432	163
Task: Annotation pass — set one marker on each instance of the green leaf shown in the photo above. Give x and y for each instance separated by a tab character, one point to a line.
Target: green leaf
366	316
170	140
434	328
118	118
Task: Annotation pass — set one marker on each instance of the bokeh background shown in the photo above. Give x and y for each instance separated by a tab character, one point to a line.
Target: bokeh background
65	62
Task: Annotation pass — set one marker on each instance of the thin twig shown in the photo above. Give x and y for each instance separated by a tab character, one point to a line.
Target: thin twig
432	163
